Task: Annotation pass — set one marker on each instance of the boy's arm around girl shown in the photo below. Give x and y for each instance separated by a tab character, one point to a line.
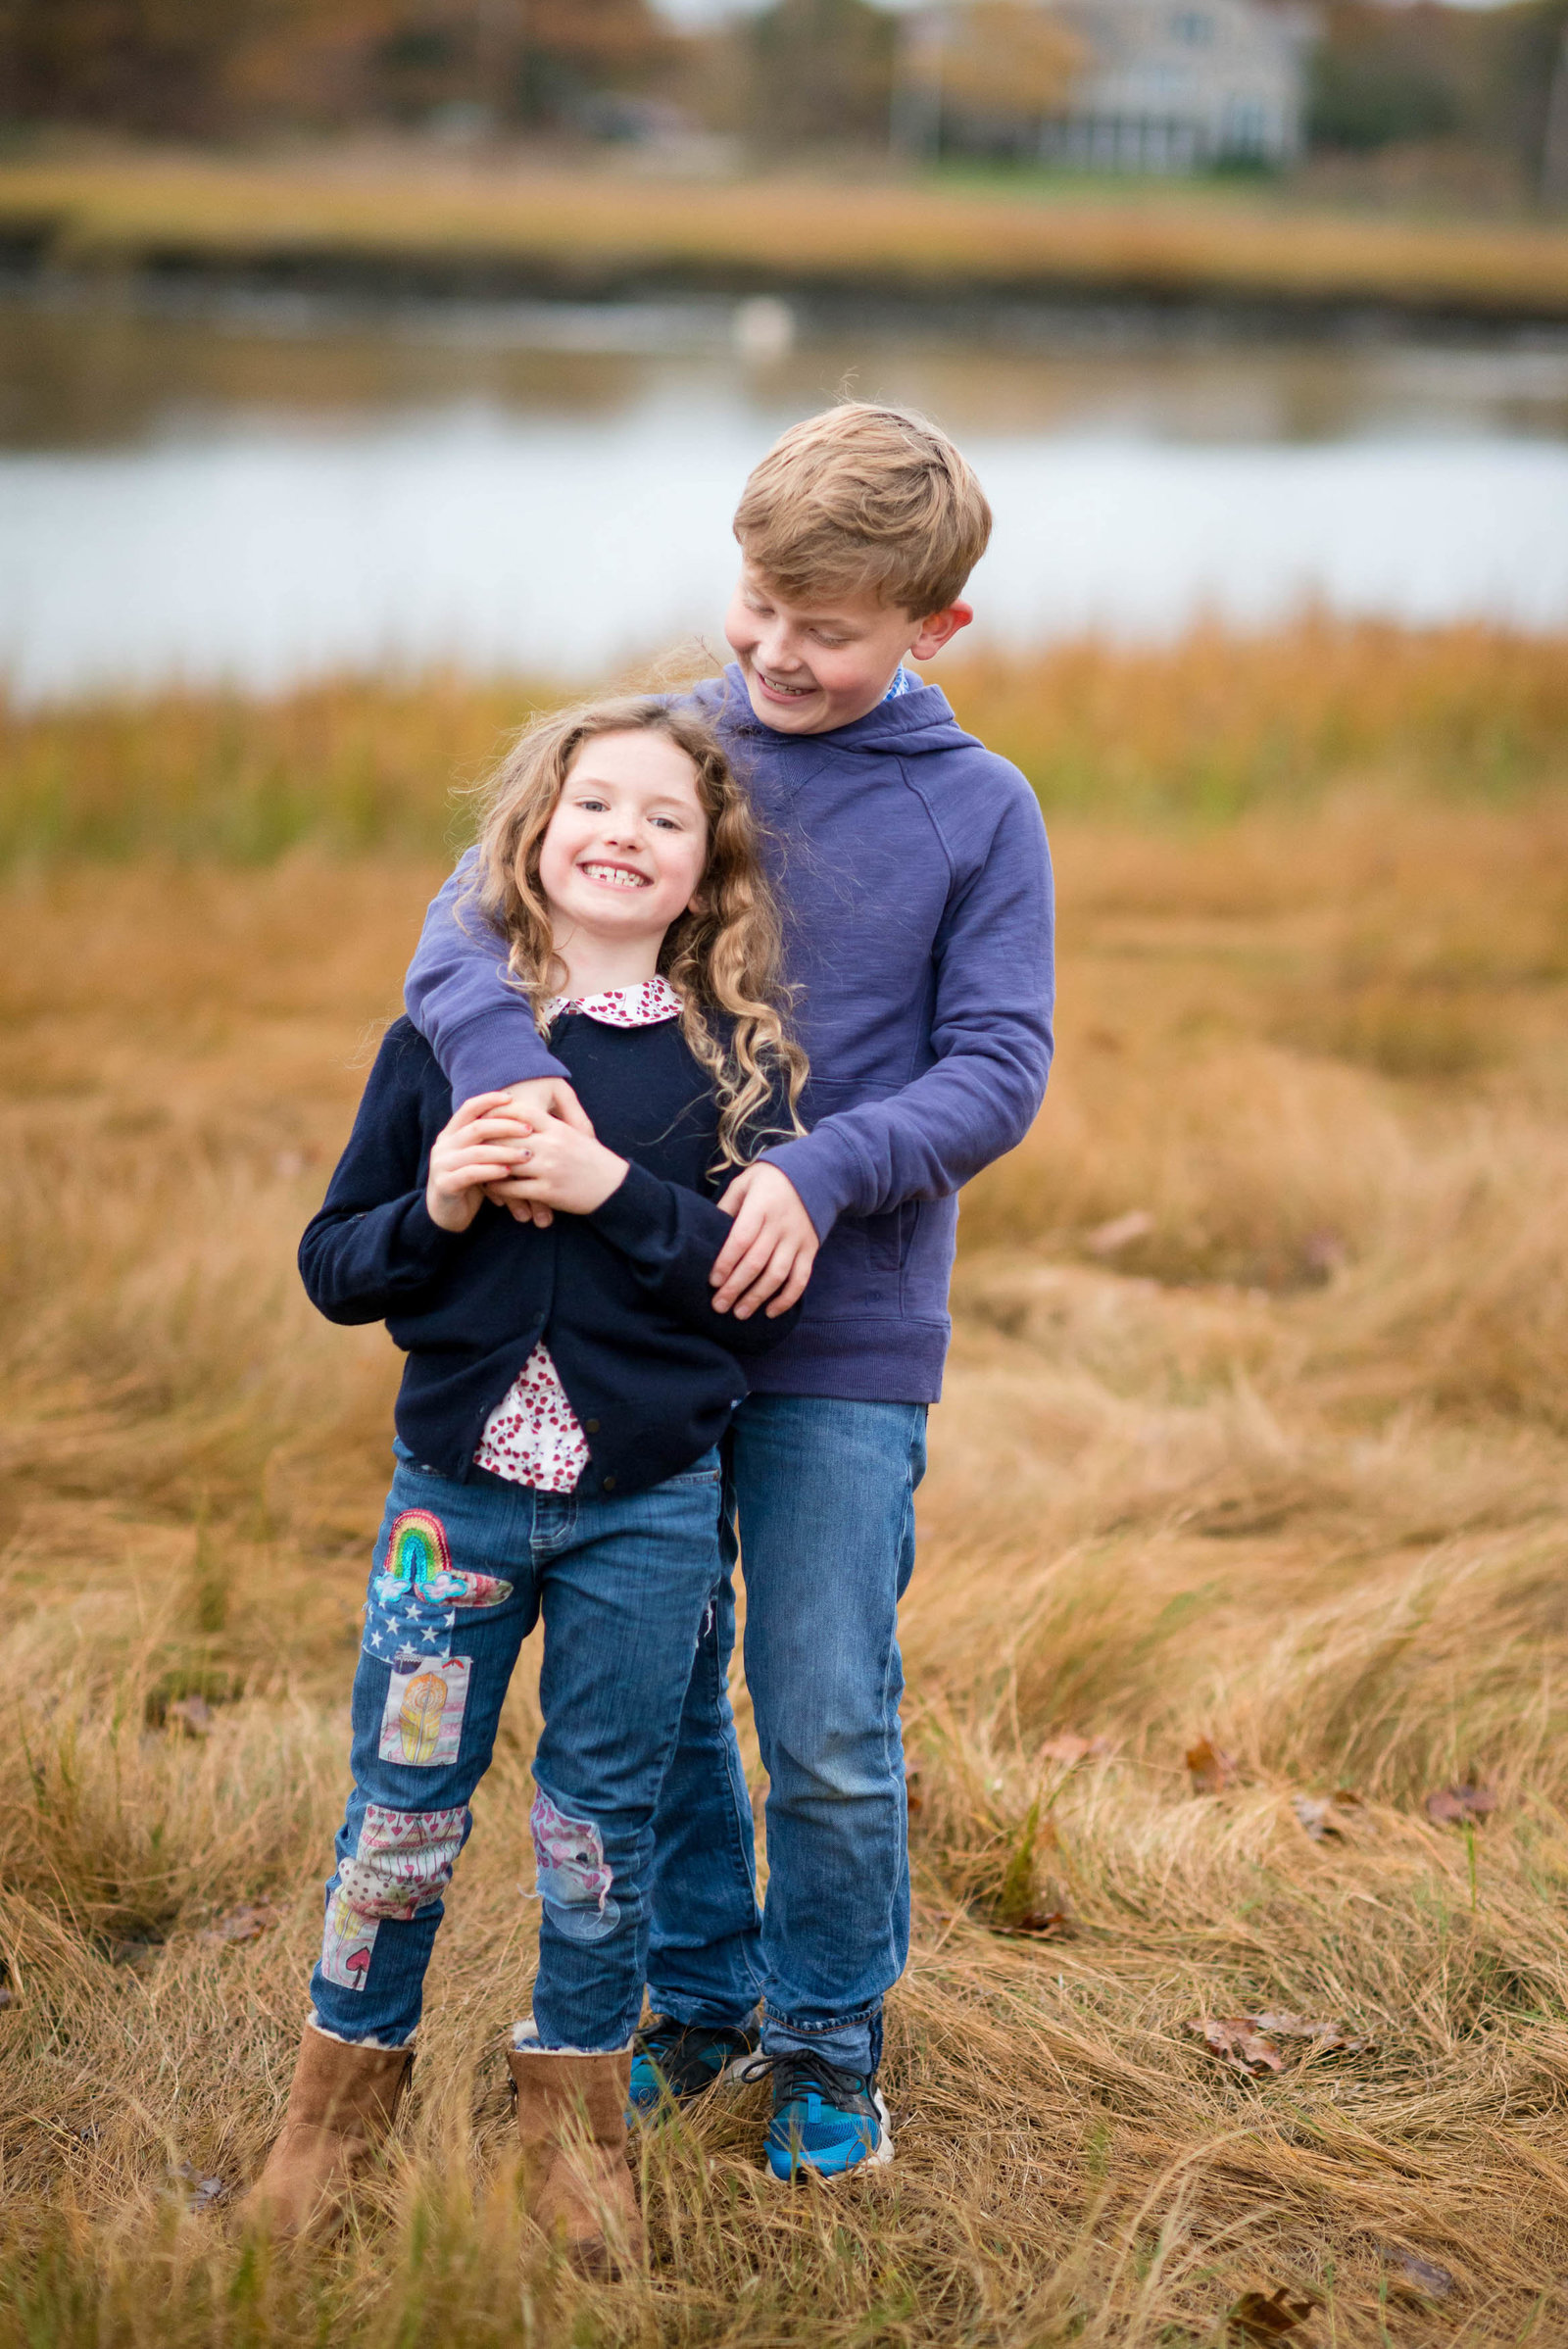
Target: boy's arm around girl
372	1251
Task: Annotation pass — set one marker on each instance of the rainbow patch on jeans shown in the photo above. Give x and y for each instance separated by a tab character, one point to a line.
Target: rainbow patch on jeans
418	1565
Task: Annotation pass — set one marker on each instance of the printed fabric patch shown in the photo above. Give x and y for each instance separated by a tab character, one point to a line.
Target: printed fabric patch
402	1860
418	1565
571	1874
347	1942
421	1723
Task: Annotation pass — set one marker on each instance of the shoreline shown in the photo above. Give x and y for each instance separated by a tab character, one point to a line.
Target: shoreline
161	224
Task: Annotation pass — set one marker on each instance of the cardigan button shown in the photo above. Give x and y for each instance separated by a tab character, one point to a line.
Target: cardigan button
590	1427
610	1483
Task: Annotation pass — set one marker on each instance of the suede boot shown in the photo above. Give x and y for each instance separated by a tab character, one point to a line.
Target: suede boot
571	2121
340	2108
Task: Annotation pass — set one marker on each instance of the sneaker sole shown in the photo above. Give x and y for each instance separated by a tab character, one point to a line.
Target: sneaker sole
880	2155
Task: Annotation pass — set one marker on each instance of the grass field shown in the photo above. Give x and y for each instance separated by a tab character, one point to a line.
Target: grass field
576	228
1257	1432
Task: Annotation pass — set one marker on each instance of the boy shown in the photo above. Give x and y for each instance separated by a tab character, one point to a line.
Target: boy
916	881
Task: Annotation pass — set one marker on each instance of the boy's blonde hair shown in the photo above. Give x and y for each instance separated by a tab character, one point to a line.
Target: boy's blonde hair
863	497
721	956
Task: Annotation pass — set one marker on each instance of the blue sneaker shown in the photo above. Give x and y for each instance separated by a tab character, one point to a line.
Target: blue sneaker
683	2060
825	2120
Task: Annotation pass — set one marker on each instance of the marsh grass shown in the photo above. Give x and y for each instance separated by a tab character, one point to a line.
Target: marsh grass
1182	736
1281	1465
587	231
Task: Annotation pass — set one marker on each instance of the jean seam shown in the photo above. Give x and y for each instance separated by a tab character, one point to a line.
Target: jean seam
737	1845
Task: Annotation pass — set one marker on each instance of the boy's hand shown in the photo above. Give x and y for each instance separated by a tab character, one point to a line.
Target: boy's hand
560	1166
535	1098
473	1148
771	1249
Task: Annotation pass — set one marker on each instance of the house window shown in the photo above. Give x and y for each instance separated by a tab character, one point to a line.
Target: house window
1194	27
1246	126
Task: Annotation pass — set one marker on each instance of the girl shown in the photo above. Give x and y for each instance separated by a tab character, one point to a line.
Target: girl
567	1385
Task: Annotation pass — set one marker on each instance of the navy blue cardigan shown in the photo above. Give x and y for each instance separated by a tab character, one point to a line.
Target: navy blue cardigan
621	1296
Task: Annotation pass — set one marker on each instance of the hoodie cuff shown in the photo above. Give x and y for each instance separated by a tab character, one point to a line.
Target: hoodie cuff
496	1049
825	1171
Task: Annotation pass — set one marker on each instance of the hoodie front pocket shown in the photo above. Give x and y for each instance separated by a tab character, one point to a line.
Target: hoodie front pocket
888	1236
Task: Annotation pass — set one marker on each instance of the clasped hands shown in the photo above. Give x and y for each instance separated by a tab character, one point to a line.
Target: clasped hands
532	1149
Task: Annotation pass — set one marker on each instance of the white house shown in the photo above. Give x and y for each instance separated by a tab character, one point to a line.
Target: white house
1145	85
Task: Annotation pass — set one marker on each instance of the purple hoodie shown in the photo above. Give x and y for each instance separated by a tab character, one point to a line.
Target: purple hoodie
913	870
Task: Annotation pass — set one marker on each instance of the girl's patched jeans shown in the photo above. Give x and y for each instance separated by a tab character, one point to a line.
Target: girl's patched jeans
460	1574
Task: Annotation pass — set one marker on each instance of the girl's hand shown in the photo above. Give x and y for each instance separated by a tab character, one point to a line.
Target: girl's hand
560	1166
477	1147
535	1098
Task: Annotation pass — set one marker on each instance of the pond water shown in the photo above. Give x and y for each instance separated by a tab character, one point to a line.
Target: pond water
263	488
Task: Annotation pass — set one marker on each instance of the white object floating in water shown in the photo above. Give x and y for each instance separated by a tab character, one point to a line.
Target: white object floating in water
763	328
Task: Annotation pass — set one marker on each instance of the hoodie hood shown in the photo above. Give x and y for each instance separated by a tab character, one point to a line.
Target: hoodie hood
911	723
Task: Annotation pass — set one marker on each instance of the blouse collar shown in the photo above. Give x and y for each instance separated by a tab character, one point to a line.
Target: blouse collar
642	1007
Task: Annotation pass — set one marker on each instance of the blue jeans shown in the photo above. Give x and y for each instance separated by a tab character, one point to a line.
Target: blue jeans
458	1575
824	1491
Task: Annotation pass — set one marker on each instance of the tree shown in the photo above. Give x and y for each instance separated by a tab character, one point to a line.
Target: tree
144	65
819	70
1000	57
199	68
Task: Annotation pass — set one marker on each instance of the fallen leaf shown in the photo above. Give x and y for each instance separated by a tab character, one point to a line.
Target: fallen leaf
1328	1817
1459	1806
1120	1232
1211	1768
1070	1747
1267	2317
200	2194
1043	1925
914	1799
192	1714
1423	2276
1327	2037
245	1924
1236	2040
1324	1253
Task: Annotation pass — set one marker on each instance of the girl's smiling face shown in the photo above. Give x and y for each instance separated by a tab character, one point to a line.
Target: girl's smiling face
625	850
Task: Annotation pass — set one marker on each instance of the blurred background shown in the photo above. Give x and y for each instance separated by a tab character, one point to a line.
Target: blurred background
347	332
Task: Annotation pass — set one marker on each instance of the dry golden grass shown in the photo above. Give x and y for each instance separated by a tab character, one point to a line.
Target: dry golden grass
1286	1468
588	229
1205	728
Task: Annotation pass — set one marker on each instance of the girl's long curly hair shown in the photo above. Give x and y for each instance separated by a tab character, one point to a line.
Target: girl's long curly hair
721	956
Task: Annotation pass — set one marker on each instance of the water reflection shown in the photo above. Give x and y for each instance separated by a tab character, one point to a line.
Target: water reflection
257	488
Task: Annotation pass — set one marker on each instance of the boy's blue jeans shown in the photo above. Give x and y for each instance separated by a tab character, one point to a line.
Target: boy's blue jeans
628	1589
825	1495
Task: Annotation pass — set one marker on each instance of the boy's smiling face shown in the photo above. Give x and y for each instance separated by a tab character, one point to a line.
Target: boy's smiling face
810	667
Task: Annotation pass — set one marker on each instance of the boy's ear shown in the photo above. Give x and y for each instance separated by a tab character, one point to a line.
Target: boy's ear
939	630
